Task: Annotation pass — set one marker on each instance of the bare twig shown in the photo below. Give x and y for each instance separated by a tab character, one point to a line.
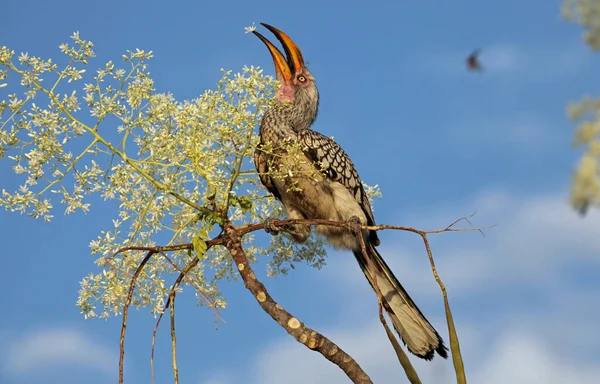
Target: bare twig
126	309
183	274
457	360
464	218
174	340
283	223
171	296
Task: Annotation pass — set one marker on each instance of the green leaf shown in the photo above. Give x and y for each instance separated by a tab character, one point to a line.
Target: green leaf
203	233
245	203
199	245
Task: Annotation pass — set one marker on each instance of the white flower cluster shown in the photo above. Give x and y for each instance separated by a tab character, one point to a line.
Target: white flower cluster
170	164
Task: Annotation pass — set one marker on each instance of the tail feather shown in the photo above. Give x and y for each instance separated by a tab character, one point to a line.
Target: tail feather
415	331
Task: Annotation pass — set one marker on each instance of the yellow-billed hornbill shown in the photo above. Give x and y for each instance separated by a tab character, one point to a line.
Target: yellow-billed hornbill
319	181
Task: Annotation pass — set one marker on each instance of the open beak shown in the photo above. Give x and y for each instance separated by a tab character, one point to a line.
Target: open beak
284	68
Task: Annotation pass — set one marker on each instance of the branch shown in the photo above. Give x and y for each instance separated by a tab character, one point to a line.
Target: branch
411	374
182	275
174	340
457	360
303	334
151	251
126	309
282	223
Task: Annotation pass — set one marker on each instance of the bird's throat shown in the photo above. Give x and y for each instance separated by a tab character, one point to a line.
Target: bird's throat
285	94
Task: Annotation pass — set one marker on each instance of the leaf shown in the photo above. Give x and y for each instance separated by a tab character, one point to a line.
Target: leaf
199	245
245	203
203	233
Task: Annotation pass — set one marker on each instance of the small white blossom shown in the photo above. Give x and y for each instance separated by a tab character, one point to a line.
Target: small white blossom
250	29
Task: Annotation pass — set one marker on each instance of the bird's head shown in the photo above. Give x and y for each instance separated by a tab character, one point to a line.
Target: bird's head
297	83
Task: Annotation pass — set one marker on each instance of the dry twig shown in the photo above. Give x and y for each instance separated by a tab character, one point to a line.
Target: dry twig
151	251
174	340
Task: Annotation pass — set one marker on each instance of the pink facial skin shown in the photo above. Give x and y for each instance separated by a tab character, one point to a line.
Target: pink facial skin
285	94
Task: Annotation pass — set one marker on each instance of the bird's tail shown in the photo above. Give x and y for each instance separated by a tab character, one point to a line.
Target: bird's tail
415	331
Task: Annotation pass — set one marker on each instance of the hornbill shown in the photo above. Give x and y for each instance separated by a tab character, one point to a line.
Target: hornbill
315	179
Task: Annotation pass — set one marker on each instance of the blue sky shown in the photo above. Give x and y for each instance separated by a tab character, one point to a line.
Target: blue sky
441	143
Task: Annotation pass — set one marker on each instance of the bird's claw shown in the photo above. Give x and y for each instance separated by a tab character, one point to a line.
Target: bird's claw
271	226
354	225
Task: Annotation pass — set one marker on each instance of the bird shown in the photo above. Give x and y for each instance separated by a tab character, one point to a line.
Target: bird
473	63
314	178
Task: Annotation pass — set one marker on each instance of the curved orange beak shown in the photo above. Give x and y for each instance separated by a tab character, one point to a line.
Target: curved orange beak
284	68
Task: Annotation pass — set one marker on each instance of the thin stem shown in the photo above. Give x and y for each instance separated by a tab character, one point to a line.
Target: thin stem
457	360
411	374
126	310
142	215
187	268
174	340
240	160
255	227
71	166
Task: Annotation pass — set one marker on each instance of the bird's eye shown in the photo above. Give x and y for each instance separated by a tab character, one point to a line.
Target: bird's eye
301	78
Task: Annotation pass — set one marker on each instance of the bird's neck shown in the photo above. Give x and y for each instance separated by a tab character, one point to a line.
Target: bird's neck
284	121
304	110
295	115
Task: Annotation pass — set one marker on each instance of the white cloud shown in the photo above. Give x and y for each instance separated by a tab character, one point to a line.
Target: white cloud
64	347
289	362
520	357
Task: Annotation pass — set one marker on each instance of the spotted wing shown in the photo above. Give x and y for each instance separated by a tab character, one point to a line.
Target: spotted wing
337	165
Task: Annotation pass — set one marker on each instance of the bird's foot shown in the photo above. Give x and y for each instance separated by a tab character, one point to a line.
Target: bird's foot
354	225
271	226
299	232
